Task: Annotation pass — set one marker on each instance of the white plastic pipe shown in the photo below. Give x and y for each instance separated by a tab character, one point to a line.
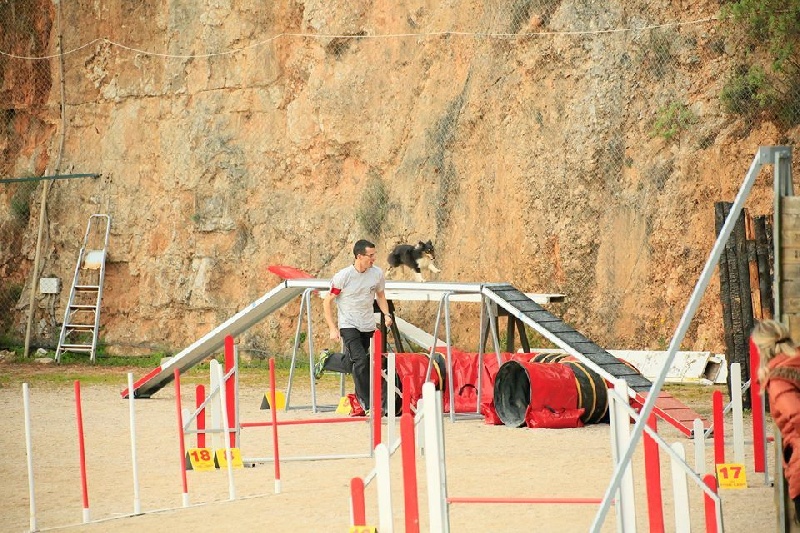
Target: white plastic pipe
390	396
680	491
699	437
225	430
736	401
385	521
26	403
432	444
137	504
620	441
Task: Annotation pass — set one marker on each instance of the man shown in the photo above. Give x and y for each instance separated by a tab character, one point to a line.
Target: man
354	289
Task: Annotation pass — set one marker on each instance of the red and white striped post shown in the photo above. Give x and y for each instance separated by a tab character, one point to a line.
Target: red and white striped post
200	397
710	506
408	448
719	428
757	404
81	452
652	468
181	439
375	402
358	507
273	407
230	389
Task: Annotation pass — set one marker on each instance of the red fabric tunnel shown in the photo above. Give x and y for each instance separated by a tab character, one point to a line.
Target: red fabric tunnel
537	395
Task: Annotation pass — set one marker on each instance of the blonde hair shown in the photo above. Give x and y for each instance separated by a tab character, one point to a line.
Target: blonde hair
771	338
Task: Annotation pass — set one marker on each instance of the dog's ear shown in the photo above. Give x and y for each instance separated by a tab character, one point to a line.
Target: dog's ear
430	243
421	244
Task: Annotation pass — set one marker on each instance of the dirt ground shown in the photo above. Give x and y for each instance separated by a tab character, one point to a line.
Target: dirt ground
481	460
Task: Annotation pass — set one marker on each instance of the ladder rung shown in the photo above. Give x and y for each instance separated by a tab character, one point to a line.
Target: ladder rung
76	347
82	306
80	326
87	287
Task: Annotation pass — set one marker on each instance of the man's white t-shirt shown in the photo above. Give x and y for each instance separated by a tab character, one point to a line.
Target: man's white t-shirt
355	292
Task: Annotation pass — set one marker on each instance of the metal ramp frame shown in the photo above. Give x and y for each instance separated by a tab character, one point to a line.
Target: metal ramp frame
283	293
522	308
163	374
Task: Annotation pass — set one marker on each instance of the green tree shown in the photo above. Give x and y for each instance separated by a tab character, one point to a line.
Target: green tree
772	26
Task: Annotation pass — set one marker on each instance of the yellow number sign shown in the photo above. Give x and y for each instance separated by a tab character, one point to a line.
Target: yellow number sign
236	458
200	459
731	476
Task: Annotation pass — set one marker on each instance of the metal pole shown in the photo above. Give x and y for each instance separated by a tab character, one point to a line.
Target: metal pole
680	332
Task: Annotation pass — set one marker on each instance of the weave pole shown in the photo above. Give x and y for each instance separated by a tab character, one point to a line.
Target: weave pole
231	391
736	408
358	508
82	453
225	428
26	404
181	439
699	438
274	414
757	404
137	503
719	428
712	522
652	468
408	454
376	404
200	420
384	489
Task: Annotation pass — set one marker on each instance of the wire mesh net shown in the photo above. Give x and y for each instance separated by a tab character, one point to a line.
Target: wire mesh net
561	146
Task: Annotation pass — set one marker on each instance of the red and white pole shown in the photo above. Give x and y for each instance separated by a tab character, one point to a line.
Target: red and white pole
273	407
181	438
357	505
230	390
712	522
81	452
408	447
200	397
719	428
652	468
375	403
757	404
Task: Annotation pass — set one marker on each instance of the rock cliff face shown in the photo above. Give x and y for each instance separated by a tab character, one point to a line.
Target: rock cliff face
526	140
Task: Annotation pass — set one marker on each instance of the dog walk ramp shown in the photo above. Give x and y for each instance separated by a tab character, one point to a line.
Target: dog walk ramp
566	337
212	341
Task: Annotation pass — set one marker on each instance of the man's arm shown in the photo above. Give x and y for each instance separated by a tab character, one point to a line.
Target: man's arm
383	305
326	306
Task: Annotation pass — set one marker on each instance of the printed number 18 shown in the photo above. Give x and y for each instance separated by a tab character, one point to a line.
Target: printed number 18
203	455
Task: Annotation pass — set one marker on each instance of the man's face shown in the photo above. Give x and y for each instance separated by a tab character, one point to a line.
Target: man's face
367	259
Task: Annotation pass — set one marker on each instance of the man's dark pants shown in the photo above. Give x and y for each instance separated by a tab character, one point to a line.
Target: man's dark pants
355	361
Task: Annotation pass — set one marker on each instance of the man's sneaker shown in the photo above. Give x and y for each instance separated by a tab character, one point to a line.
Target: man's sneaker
319	366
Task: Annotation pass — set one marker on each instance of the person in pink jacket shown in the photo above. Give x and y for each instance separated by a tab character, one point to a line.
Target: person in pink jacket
779	374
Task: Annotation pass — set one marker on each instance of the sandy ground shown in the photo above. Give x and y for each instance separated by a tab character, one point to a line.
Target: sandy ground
481	460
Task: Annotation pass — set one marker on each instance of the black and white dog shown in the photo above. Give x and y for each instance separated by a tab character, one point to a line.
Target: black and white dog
416	258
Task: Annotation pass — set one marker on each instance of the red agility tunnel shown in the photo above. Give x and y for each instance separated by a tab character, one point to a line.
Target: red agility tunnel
592	389
537	395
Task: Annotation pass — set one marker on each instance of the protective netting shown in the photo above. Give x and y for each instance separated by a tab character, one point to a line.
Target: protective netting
565	147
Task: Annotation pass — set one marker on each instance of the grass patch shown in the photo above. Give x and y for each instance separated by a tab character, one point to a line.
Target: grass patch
374	206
